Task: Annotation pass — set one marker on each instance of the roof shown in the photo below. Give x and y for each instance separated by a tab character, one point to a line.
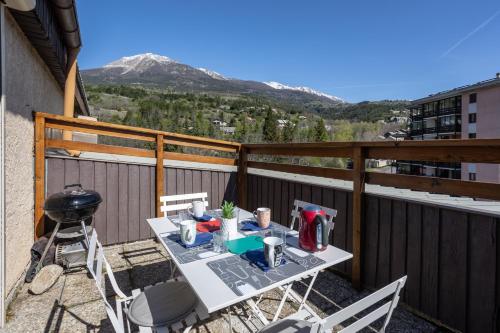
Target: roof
52	28
459	90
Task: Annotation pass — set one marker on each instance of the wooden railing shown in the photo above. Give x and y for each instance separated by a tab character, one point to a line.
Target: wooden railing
473	151
45	121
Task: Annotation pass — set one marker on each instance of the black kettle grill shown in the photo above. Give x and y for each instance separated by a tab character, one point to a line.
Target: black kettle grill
73	205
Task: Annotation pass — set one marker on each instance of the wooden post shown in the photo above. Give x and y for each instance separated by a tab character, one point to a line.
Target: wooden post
39	174
159	173
242	177
357	213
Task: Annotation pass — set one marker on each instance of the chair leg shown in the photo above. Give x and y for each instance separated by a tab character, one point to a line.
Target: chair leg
229	319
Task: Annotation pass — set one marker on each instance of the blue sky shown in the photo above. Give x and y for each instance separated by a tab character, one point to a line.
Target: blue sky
357	50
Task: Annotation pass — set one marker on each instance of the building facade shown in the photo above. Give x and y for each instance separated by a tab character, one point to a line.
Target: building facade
467	112
34	46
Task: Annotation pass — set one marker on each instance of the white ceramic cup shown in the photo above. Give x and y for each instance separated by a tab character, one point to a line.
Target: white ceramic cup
263	217
273	251
188	232
198	209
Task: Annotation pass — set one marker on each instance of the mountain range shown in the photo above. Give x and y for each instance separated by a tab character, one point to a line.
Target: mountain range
157	71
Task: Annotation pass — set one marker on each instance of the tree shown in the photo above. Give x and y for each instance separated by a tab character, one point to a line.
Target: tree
241	130
289	131
270	128
320	133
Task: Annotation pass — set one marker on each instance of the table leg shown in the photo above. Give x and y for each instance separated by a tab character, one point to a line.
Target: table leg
283	300
255	309
304	299
229	319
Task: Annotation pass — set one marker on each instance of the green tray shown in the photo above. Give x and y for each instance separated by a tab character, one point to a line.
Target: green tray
242	245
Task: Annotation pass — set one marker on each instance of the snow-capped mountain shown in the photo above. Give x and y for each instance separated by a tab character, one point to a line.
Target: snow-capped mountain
277	85
162	72
139	63
212	74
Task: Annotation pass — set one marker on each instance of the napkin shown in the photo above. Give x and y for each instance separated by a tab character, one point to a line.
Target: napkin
250	225
258	258
204	218
209	226
201	239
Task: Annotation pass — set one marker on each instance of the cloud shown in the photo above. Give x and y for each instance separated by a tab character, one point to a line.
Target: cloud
470	34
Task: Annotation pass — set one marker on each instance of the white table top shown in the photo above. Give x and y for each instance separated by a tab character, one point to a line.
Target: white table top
211	290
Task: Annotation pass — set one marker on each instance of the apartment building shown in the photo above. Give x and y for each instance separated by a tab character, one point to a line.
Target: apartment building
466	112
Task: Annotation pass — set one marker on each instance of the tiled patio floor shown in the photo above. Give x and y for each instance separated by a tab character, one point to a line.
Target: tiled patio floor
137	265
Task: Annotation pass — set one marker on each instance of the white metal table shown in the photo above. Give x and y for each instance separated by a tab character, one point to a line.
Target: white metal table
216	295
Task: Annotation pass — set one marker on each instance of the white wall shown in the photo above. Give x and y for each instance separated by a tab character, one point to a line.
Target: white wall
29	87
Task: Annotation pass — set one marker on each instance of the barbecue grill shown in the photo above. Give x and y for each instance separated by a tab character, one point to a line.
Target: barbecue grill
73	205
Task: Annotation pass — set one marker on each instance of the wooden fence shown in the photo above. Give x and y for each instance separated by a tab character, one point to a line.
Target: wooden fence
441	245
451	256
128	191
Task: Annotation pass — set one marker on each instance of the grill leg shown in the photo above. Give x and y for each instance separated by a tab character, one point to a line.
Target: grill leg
84	229
51	239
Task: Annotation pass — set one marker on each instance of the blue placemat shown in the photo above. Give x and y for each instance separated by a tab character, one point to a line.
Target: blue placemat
201	239
258	258
249	225
204	218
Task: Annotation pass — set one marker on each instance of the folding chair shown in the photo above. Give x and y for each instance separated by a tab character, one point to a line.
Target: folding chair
303	322
165	208
171	304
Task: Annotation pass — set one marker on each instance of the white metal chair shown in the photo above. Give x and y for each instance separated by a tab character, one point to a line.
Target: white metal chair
298	205
303	321
171	304
165	208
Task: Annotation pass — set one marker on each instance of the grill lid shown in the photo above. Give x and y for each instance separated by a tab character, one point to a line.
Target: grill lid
72	199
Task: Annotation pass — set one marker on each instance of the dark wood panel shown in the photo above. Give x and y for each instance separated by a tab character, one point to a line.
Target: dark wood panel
112	193
171	181
340	228
144	201
100	214
71	172
430	261
214	190
86	174
206	185
197	181
371	236
123	190
180	183
265	193
277	202
453	268
398	240
133	203
482	268
414	255
152	196
188	181
349	238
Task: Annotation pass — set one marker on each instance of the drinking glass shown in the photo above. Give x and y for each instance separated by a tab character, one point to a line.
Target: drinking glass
281	234
219	241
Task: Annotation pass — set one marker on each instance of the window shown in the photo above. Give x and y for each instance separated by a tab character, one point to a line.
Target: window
472	118
472	98
472	135
472	176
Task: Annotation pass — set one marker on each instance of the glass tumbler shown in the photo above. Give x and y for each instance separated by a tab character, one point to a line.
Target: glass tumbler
219	241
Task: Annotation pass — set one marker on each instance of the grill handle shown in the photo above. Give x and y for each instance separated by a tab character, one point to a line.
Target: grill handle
73	185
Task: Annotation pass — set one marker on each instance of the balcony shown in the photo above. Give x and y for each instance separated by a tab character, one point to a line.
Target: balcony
454	128
430	130
430	114
448	111
393	224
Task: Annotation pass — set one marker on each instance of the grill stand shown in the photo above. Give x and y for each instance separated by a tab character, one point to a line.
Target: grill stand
51	240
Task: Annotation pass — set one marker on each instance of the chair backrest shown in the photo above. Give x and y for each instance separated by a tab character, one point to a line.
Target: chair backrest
298	205
386	309
165	208
97	265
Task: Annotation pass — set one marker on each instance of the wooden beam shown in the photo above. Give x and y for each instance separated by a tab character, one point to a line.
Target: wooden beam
99	148
159	173
345	152
84	128
357	212
69	92
39	176
242	178
473	154
436	185
194	144
333	173
199	158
